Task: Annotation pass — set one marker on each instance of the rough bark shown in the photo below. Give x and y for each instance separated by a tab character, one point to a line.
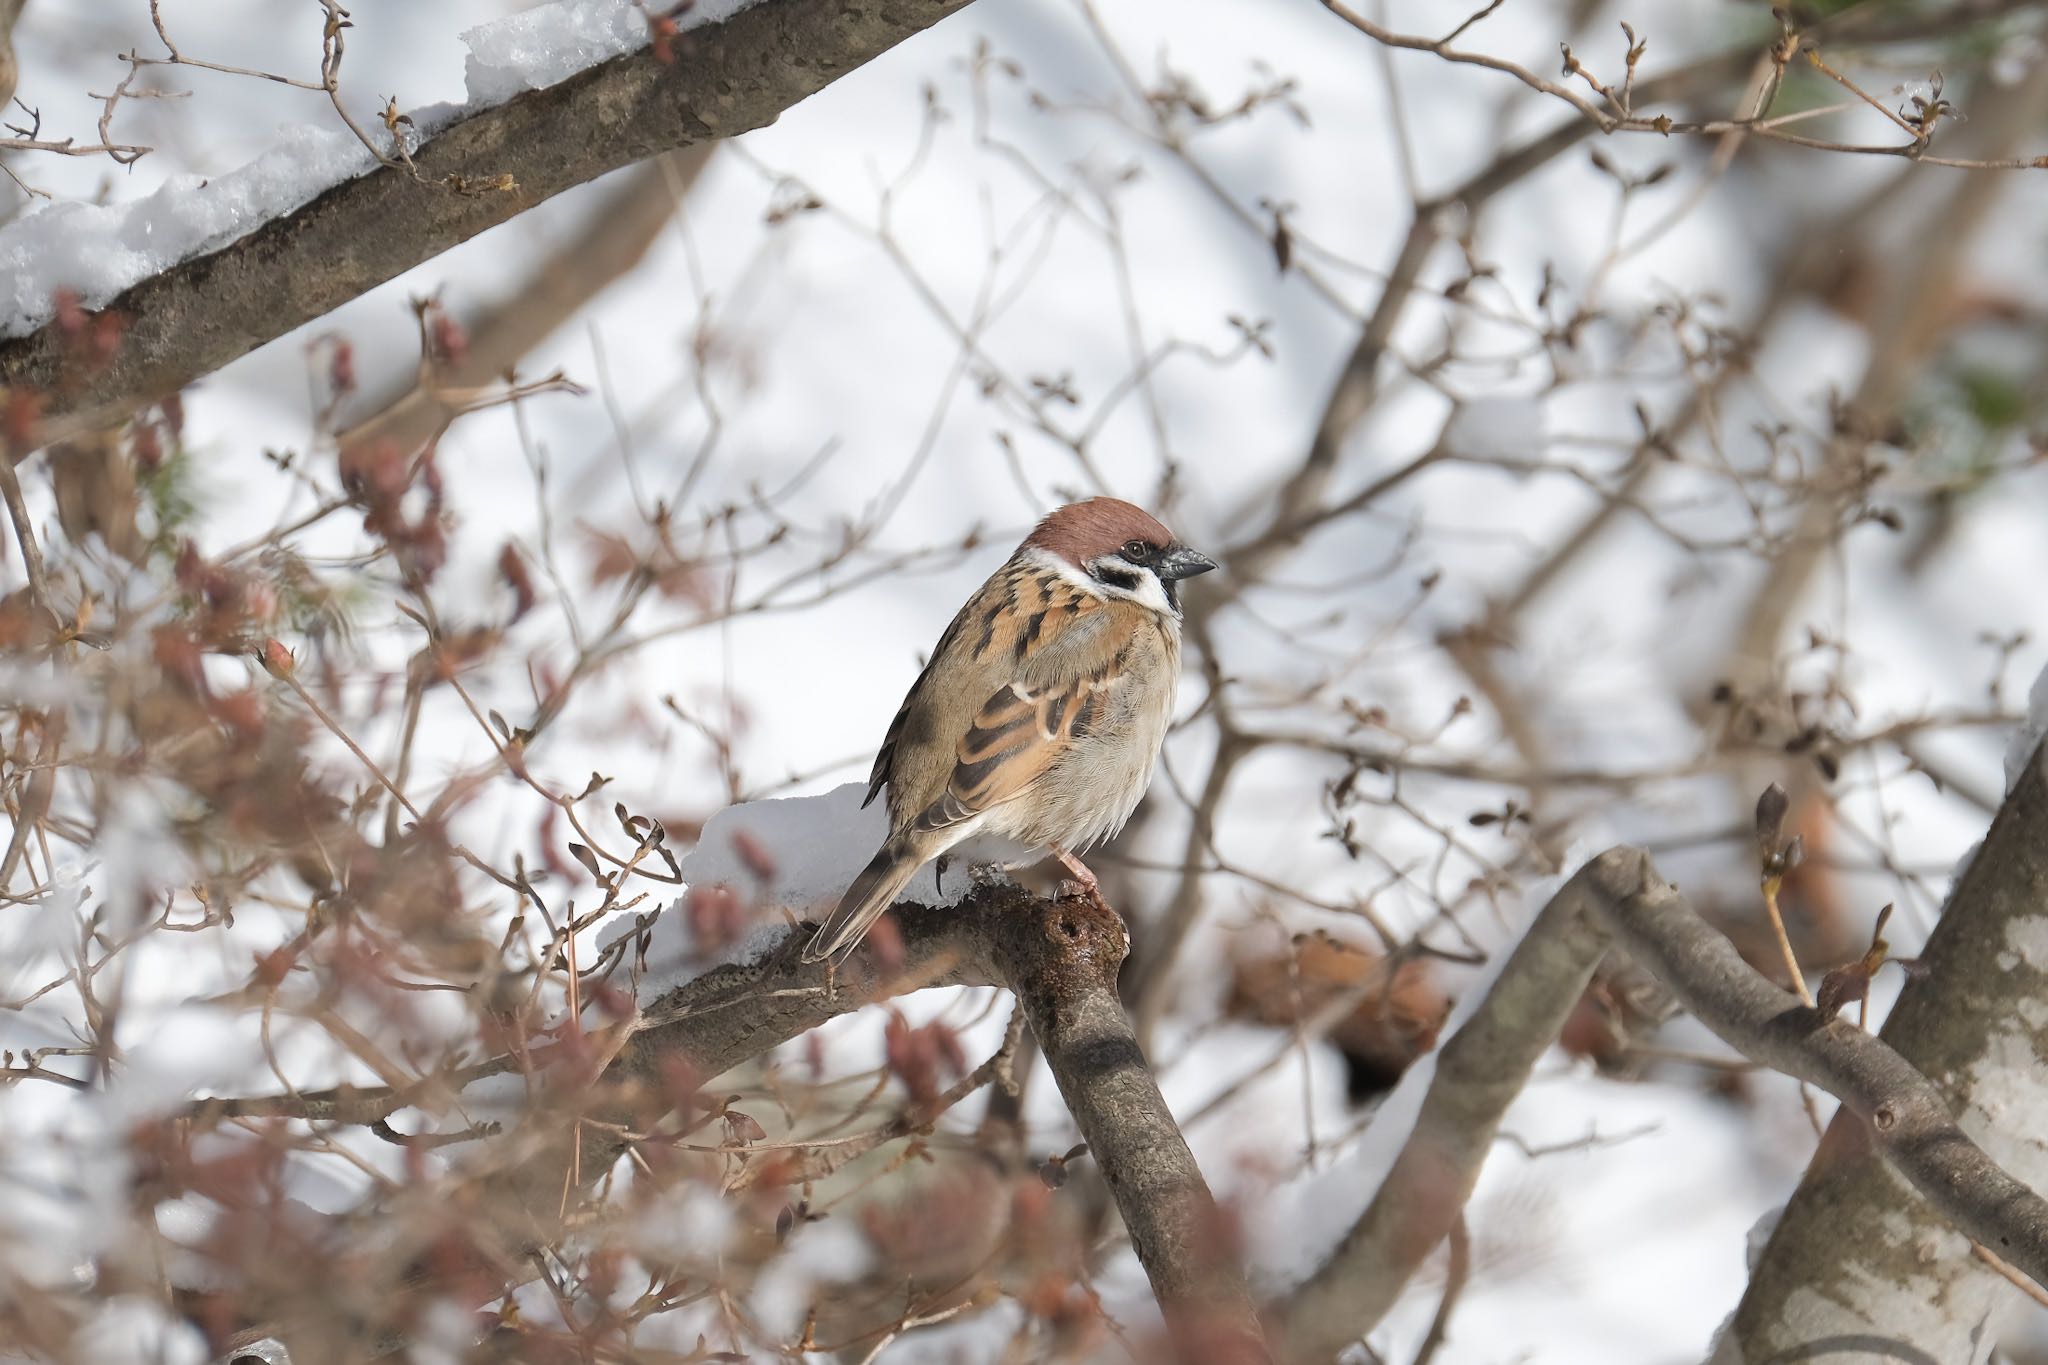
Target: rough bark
1858	1262
205	312
1063	966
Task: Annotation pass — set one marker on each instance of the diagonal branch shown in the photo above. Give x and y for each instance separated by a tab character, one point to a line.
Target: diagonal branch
199	315
1908	1118
614	242
1620	896
1478	1073
1063	966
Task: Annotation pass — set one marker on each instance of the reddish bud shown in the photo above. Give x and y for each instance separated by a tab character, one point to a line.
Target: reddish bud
451	343
715	916
341	368
277	661
21	414
512	568
661	33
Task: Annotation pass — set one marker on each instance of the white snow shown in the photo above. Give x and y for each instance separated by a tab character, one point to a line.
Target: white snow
2027	739
1498	427
97	251
130	1329
547	44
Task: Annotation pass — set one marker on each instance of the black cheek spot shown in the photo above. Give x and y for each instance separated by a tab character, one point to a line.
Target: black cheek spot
1116	578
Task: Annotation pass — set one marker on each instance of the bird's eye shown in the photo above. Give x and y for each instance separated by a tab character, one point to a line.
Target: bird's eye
1136	550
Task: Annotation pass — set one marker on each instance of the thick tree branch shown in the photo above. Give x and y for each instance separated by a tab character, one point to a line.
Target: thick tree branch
1484	1065
1908	1118
205	312
1062	963
1971	1022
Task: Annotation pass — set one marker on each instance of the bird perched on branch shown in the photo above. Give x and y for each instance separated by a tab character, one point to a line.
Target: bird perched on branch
1041	713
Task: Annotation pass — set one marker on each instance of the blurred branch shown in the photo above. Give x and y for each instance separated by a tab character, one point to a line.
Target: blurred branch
1060	959
1615	109
1300	508
619	233
25	538
202	313
10	67
1910	312
1903	1115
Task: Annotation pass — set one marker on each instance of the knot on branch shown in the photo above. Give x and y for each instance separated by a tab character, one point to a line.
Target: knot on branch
1062	947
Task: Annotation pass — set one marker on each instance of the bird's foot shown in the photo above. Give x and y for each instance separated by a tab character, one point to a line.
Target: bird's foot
1084	883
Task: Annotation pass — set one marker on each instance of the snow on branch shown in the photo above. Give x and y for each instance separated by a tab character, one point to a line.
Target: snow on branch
1620	897
557	96
1972	1022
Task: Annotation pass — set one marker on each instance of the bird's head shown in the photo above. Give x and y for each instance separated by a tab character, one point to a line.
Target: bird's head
1121	549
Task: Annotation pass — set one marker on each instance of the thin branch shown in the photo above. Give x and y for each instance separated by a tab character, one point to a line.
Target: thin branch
25	536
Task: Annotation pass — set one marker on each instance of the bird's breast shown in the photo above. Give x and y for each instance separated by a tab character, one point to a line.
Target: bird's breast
1092	789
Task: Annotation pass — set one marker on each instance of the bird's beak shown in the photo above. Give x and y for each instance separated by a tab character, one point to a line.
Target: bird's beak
1180	562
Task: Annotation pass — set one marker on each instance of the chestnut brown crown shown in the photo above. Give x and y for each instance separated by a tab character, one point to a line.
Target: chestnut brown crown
1082	531
1121	547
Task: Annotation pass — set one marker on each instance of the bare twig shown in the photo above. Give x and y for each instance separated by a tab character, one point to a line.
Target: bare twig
25	537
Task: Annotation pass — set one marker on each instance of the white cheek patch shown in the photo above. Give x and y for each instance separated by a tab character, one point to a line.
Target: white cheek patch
1059	567
1148	590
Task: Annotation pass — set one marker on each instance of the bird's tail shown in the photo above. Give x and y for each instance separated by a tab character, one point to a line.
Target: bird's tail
872	892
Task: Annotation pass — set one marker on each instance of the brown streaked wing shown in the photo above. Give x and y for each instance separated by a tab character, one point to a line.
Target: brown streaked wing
1010	622
885	758
1013	740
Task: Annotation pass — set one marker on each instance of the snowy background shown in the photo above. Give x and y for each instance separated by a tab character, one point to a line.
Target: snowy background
973	280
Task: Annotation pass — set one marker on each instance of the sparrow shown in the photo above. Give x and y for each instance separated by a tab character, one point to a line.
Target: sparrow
1041	711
